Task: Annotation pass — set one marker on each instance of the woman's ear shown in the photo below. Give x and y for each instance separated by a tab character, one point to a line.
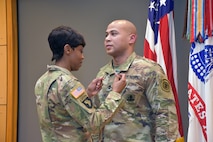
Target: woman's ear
67	49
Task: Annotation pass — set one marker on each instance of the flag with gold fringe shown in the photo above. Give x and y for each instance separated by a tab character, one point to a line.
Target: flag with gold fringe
198	31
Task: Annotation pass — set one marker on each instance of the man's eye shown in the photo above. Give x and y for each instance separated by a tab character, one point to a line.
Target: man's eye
111	34
114	33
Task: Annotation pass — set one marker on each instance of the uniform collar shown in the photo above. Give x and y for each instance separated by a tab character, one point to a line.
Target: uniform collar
121	68
57	68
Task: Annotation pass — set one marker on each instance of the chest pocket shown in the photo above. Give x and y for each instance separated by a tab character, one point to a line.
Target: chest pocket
134	91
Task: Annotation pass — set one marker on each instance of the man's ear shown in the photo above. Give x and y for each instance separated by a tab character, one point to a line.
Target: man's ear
133	38
67	49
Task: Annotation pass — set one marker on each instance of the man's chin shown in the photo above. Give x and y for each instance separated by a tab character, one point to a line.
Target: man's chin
109	53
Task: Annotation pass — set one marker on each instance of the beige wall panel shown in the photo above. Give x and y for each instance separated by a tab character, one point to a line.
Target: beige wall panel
2	123
3	75
2	22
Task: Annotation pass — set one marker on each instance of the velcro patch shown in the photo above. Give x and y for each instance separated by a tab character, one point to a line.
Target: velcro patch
165	86
87	102
77	92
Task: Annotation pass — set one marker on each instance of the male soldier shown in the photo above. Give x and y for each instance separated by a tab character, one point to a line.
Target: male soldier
149	113
65	109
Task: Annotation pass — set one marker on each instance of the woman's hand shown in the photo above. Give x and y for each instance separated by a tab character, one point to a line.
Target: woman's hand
94	87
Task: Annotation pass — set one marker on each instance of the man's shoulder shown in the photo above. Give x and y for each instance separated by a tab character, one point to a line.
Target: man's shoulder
147	63
144	59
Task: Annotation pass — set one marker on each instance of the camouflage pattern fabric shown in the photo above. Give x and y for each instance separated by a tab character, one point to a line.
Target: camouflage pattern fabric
66	113
149	112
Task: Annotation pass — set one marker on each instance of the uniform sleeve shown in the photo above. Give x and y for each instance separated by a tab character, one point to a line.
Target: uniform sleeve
161	99
81	109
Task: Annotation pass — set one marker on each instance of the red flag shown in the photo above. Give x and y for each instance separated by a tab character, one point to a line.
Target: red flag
159	44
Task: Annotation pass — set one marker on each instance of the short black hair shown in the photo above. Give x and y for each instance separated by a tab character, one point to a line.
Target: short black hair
61	36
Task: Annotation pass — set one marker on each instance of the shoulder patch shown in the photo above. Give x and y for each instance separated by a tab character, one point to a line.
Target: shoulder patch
165	85
87	102
77	92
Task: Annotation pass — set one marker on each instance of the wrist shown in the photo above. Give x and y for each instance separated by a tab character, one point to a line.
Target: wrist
89	93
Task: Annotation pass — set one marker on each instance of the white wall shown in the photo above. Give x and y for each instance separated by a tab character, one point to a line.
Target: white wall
38	17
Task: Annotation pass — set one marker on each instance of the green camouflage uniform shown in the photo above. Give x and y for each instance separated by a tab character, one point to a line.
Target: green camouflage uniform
65	111
149	113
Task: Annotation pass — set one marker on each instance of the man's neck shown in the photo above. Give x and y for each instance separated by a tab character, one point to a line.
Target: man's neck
120	59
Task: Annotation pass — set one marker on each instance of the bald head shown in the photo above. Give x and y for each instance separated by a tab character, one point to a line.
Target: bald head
120	39
124	25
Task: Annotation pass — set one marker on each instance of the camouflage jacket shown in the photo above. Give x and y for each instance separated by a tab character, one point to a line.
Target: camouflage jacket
149	112
66	113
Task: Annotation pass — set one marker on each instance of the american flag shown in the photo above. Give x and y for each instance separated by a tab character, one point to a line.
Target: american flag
159	44
77	92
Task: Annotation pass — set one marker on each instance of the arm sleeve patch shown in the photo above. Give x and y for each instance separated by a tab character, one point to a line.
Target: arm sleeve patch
165	86
87	102
77	92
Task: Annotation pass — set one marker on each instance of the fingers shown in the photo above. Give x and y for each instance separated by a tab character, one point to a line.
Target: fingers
123	79
119	82
98	82
120	76
117	77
